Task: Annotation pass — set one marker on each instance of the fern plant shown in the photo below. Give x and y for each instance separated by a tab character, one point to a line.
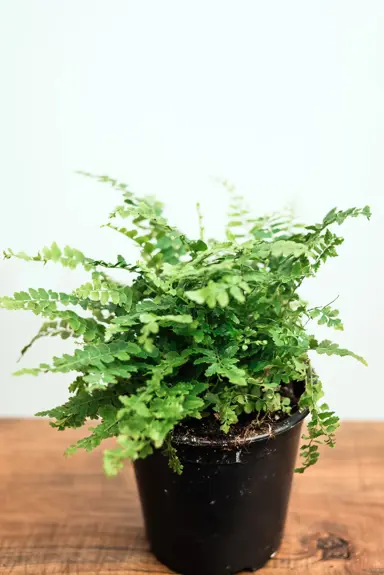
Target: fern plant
198	327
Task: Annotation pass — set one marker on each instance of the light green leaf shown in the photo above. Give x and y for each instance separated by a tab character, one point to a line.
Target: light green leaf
329	348
198	296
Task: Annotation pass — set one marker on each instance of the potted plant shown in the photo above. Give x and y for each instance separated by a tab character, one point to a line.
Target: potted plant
198	363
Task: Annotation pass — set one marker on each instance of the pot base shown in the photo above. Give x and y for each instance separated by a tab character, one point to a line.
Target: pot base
217	570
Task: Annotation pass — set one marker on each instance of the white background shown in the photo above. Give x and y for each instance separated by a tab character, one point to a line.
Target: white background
283	98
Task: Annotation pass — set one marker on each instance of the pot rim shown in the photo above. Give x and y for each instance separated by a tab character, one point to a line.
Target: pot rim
232	442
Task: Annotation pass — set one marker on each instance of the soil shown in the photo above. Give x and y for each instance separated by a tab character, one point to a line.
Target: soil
208	428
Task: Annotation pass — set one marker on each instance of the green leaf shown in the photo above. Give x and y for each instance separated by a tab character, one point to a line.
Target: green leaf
147	317
223	298
198	296
237	294
329	348
235	375
288	248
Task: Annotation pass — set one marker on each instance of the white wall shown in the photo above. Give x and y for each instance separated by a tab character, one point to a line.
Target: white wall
284	98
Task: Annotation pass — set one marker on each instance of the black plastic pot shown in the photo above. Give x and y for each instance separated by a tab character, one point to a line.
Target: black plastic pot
226	512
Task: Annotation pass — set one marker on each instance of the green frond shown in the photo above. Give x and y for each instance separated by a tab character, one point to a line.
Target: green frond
68	257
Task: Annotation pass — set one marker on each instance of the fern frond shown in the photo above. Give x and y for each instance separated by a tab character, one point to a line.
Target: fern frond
217	327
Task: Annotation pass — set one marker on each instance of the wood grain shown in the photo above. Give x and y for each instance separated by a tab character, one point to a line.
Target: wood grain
62	516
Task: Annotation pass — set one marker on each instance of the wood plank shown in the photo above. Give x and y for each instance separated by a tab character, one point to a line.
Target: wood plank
63	516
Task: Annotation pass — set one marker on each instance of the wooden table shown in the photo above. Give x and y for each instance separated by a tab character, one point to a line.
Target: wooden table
62	516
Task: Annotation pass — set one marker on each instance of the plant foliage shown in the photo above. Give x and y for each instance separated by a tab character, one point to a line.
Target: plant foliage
197	327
